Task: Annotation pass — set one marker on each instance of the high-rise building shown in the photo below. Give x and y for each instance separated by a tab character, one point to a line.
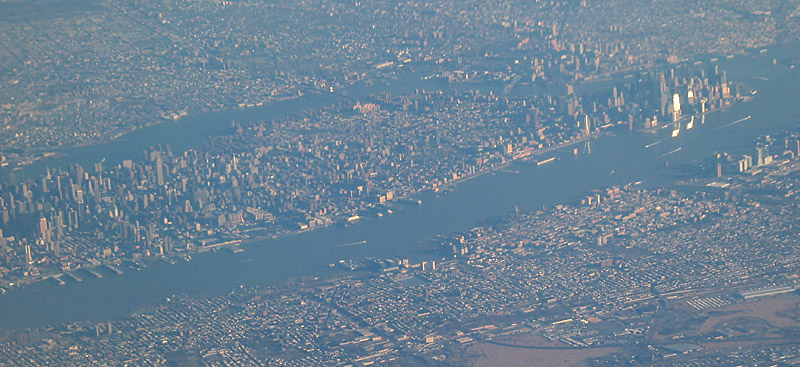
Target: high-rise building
762	151
586	125
159	172
44	232
28	255
676	107
59	225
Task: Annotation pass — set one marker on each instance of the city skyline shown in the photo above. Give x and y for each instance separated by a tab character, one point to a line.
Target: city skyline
422	183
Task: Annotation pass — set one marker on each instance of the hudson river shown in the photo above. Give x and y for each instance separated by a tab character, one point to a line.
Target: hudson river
616	159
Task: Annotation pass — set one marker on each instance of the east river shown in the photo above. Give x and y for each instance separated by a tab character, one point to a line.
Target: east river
615	159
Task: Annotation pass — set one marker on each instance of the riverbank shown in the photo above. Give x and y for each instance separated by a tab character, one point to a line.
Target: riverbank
238	237
308	254
525	154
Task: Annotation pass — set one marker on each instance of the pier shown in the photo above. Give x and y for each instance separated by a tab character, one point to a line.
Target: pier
114	269
548	160
234	249
73	277
57	279
218	245
95	273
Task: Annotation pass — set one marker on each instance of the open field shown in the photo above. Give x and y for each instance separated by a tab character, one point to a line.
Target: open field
773	310
487	354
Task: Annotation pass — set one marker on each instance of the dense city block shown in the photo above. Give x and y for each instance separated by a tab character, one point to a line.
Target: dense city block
655	275
317	168
391	101
81	72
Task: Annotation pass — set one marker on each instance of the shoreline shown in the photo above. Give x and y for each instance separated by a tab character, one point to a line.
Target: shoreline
525	155
28	158
241	240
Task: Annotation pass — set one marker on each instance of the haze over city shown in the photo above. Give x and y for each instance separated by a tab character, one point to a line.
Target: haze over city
422	183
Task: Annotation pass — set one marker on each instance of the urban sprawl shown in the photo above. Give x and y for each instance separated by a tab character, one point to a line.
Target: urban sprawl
635	270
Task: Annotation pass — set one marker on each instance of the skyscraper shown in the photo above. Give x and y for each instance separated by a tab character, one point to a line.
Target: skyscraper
763	155
676	107
28	255
159	172
44	232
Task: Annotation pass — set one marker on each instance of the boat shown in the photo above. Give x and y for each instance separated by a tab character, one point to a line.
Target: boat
648	146
136	265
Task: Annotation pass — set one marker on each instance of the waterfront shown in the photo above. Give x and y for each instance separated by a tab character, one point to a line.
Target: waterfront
614	160
189	132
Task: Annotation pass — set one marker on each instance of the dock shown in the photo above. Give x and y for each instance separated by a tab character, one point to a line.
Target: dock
218	245
57	279
548	160
73	276
94	272
114	269
234	249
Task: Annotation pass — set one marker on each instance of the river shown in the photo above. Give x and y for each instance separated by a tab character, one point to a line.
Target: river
615	159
